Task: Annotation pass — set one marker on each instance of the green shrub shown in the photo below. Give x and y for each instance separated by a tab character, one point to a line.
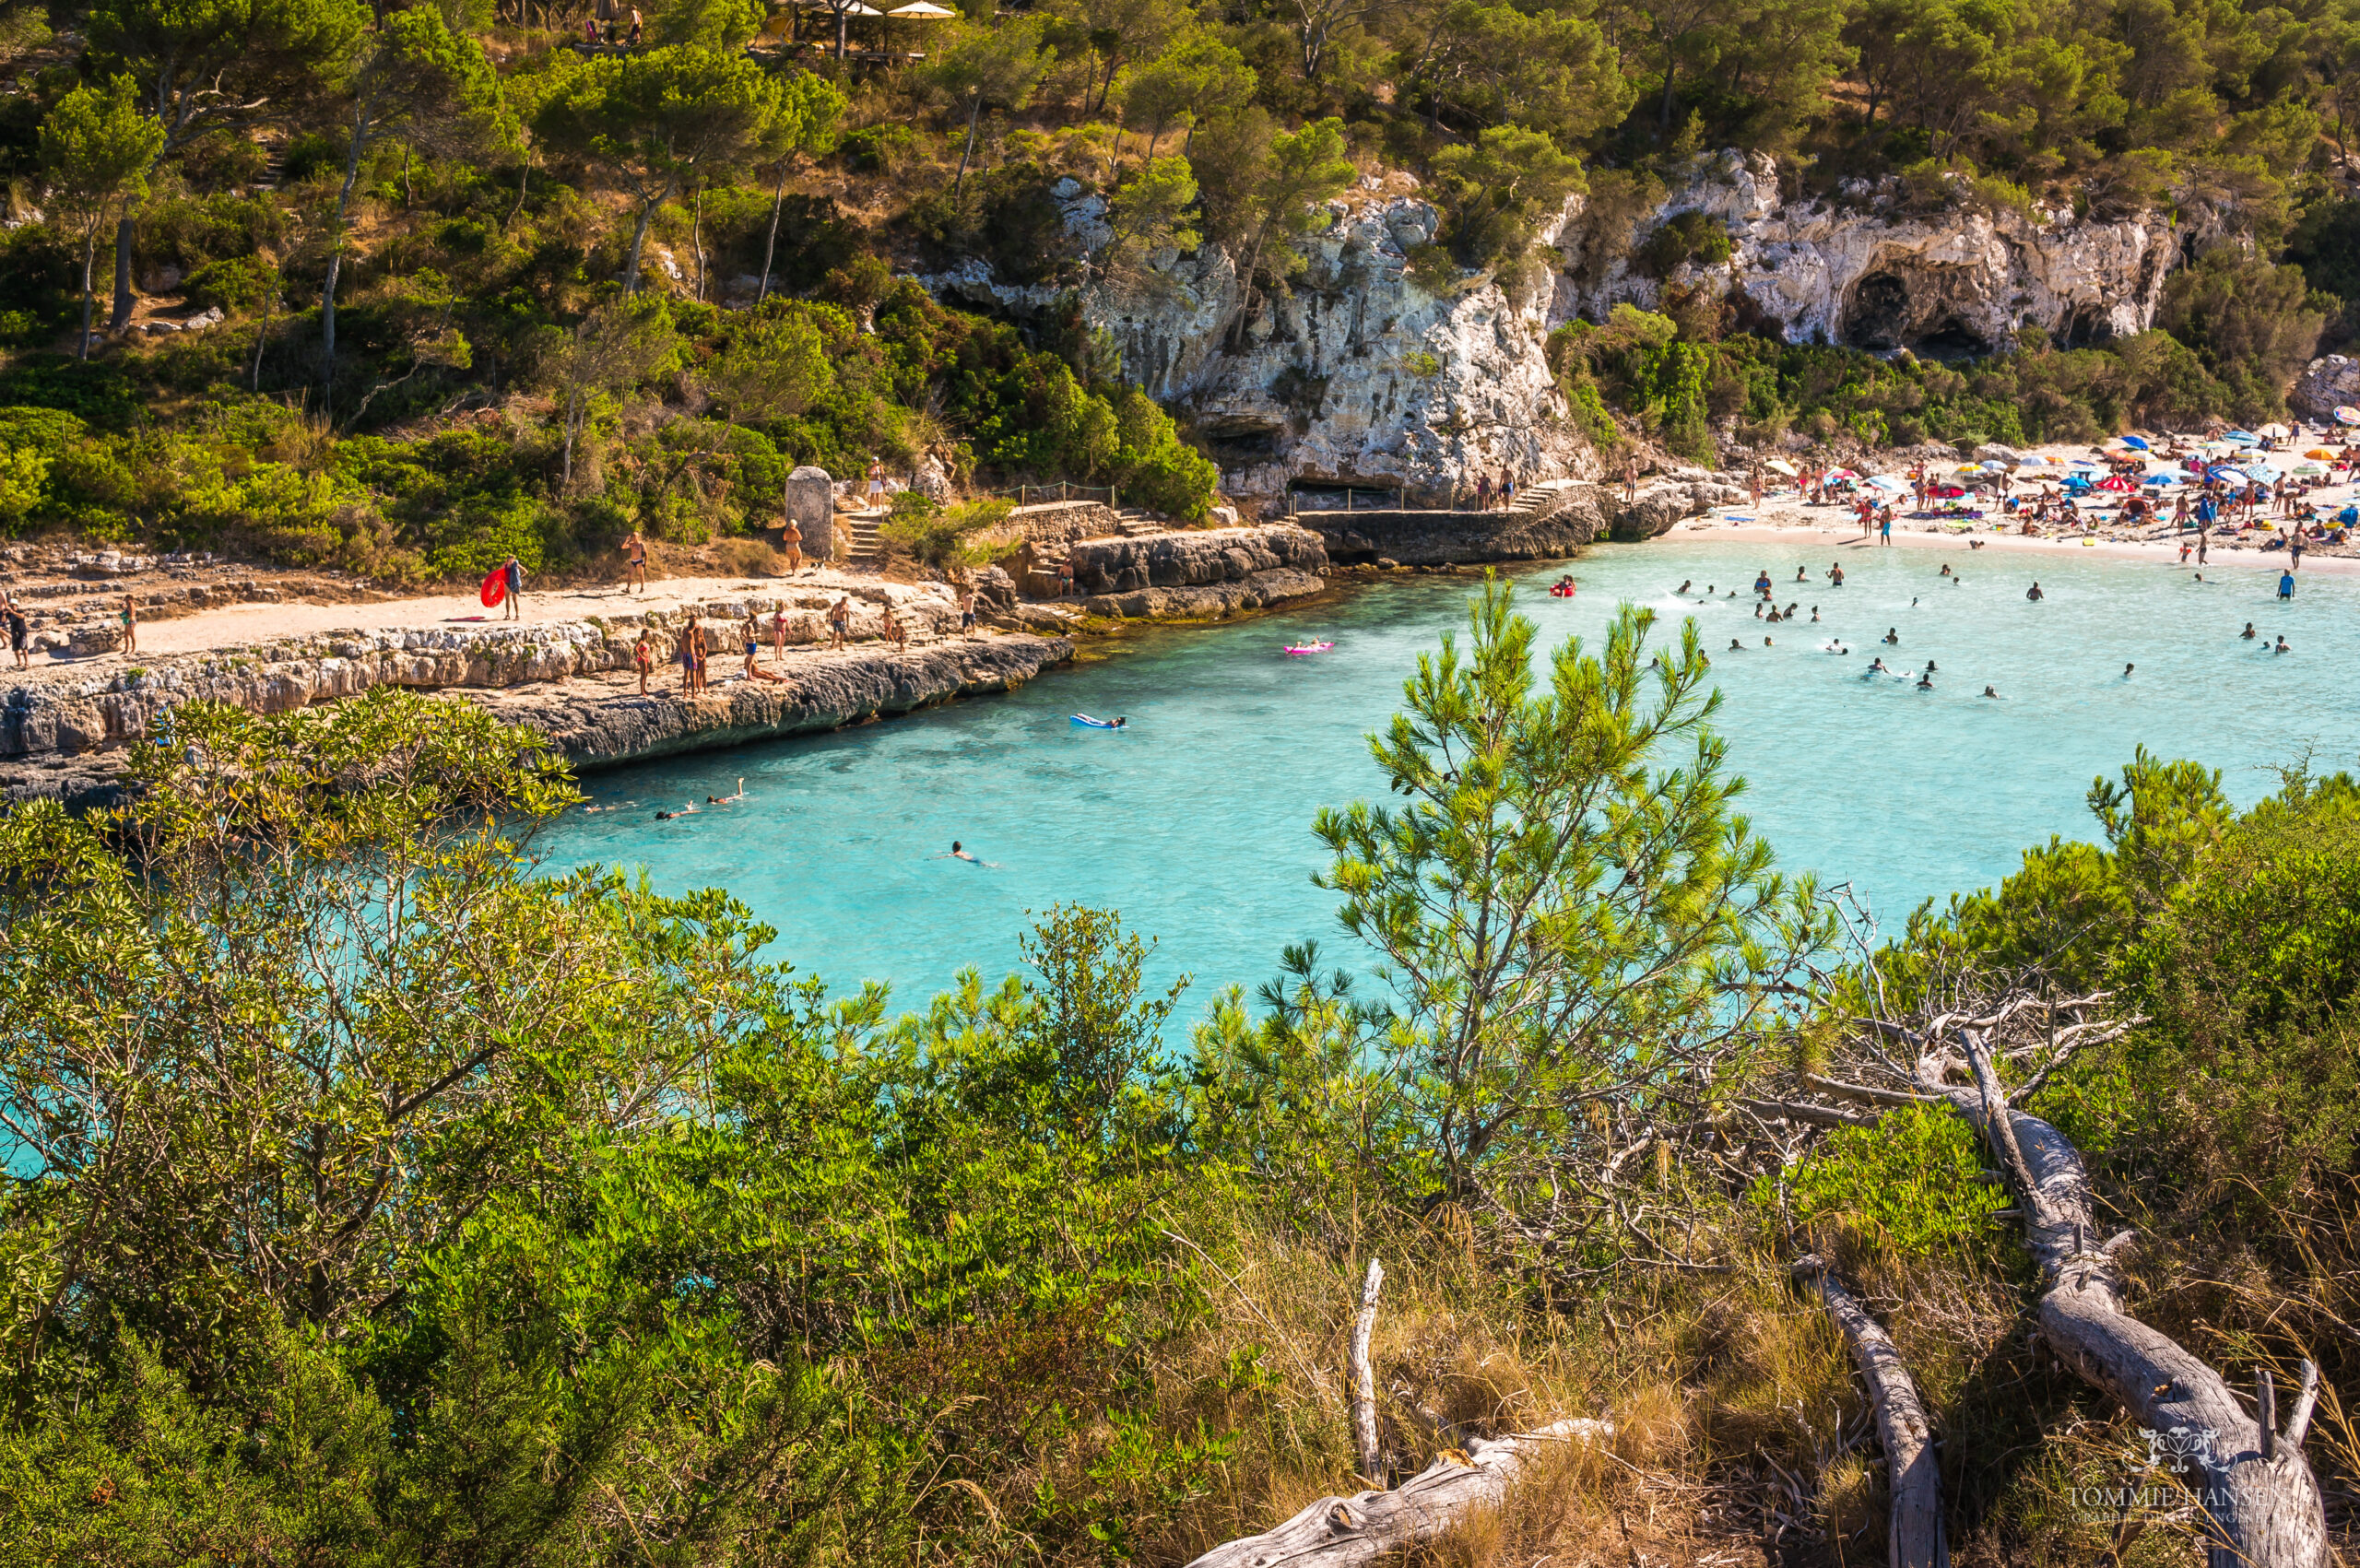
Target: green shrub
1683	237
1908	1185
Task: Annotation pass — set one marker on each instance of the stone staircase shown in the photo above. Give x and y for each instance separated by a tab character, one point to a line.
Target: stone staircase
1130	523
868	549
1540	501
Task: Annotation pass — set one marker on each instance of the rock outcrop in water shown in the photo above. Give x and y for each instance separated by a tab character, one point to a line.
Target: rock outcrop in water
1208	571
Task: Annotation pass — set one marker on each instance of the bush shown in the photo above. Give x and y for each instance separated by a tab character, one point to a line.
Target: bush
937	536
1908	1185
1684	238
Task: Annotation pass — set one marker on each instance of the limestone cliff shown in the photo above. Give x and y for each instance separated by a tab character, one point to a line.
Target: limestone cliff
1363	373
1869	273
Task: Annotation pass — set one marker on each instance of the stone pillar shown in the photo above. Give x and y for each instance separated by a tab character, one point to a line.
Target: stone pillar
810	505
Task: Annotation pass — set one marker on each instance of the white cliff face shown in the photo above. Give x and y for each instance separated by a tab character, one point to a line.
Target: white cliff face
1963	281
1356	373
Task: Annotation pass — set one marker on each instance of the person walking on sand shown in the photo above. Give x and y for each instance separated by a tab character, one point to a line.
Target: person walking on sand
791	545
634	561
513	572
642	659
130	625
839	621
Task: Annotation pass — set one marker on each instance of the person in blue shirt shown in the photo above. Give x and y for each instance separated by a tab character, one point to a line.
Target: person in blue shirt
2286	584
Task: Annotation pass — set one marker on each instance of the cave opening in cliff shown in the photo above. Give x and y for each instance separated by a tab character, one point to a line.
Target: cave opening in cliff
1880	312
1952	339
1236	443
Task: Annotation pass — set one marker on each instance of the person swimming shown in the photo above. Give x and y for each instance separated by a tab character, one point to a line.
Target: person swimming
1929	667
726	799
1925	681
1835	574
959	852
683	811
1876	666
1815	613
1800	576
2034	594
1765	641
2126	671
1736	646
1988	693
1683	586
2282	647
1893	637
1946	568
2247	633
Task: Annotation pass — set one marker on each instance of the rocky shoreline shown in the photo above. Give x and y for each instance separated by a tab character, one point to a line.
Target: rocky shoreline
64	732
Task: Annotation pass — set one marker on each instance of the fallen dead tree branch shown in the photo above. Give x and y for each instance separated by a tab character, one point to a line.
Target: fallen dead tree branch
1913	1533
2258	1500
1338	1532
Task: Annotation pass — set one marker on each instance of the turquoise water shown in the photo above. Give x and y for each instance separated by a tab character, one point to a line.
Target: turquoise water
1195	823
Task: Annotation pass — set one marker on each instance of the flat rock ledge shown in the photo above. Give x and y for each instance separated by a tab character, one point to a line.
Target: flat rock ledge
64	732
601	721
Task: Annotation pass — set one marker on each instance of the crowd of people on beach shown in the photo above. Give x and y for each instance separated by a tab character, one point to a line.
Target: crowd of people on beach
2239	486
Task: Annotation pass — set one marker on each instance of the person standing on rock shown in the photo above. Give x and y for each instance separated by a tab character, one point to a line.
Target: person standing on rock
687	653
1631	478
966	609
513	572
876	482
791	544
896	631
130	625
642	659
17	635
635	561
778	635
839	621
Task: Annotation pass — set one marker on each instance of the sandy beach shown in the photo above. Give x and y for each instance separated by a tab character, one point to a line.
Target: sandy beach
1784	517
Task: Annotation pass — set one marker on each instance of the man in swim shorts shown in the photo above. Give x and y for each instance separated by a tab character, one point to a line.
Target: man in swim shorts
634	561
839	621
2034	594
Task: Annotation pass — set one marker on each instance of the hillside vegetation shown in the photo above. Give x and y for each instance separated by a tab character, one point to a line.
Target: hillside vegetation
483	291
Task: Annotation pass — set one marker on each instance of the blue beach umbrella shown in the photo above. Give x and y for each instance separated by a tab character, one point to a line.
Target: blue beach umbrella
2134	443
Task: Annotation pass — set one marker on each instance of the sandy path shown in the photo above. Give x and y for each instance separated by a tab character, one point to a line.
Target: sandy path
240	625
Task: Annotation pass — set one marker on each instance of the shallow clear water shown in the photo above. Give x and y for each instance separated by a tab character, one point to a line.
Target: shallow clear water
1195	823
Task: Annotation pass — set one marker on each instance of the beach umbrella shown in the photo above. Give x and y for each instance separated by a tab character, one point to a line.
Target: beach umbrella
2347	415
2156	479
1842	473
1780	465
2320	453
2228	473
2242	438
2309	471
1994	465
2134	443
924	11
1890	483
2274	431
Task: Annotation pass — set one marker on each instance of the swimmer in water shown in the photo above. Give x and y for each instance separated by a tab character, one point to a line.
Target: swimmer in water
2248	633
2282	647
1977	545
2034	594
1925	681
959	853
1876	666
2126	671
1835	574
1814	612
1946	568
1893	637
683	811
1929	667
1765	641
1736	646
726	799
1988	693
1800	575
1683	586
